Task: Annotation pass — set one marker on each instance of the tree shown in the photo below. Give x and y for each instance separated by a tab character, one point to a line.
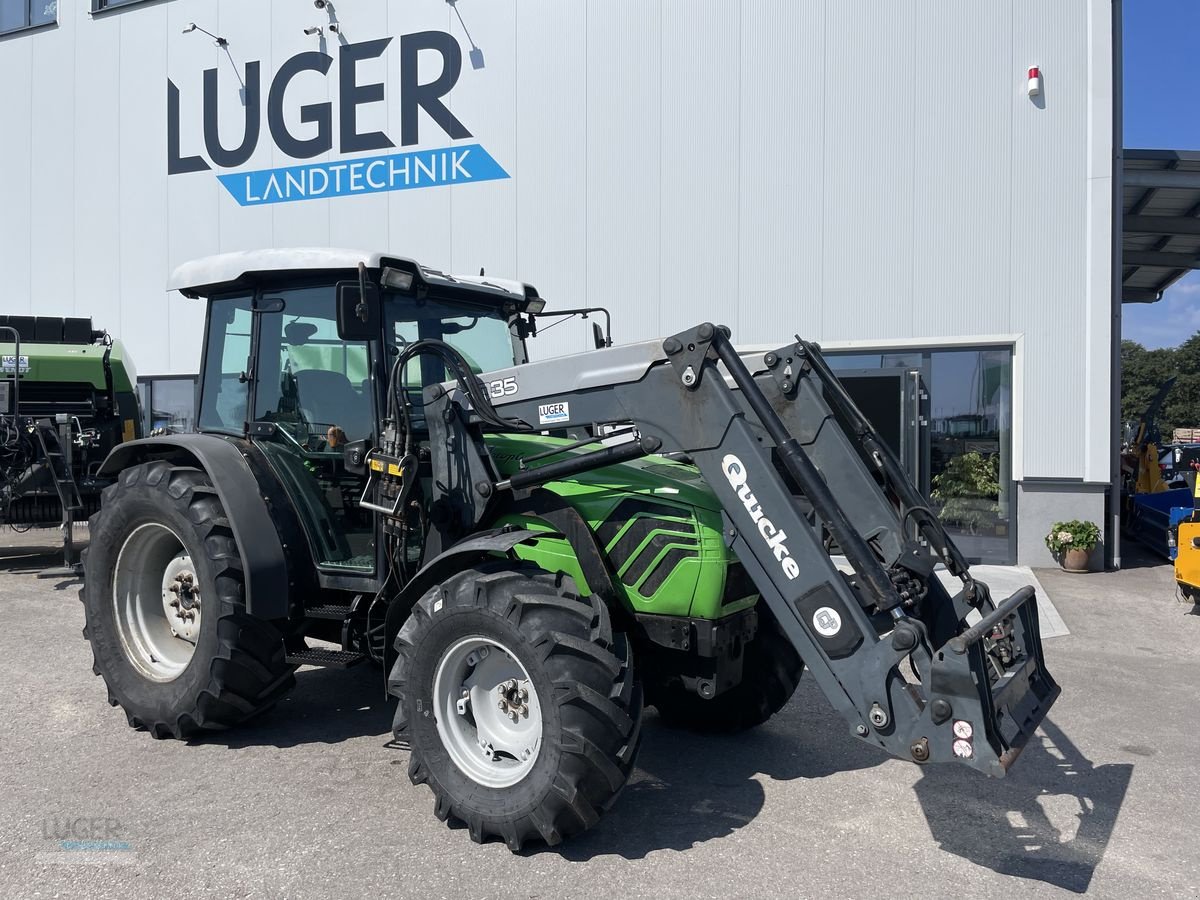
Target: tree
1143	373
1182	406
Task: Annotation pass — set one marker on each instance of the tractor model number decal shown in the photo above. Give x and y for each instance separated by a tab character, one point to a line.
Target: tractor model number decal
502	387
554	413
735	472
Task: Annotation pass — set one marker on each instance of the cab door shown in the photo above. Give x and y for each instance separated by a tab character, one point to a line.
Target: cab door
312	395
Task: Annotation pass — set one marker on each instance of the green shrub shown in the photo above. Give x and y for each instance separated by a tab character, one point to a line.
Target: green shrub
1073	535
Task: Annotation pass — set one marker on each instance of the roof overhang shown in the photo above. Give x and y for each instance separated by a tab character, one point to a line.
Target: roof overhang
243	270
1160	221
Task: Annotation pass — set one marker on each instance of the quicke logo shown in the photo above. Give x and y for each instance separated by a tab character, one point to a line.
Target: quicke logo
827	621
735	473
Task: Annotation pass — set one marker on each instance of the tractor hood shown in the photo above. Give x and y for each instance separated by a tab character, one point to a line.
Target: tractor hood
652	475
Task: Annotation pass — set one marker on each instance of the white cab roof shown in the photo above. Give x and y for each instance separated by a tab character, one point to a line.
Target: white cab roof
210	274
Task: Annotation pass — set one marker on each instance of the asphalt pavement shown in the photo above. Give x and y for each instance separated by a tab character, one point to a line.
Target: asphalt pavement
312	801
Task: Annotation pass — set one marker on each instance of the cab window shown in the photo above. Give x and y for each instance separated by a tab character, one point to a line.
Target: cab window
309	380
224	392
480	333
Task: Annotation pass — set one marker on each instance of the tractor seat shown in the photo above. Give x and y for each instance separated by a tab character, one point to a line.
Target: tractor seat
328	398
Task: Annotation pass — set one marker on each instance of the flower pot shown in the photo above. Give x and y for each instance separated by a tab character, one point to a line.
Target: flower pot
1075	560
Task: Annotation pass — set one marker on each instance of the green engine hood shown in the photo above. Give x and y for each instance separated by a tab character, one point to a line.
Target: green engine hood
656	520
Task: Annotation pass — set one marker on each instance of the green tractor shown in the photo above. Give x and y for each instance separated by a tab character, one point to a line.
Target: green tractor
67	399
532	551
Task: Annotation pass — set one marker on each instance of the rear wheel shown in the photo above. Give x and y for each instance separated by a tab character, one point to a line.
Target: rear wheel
165	611
771	669
518	703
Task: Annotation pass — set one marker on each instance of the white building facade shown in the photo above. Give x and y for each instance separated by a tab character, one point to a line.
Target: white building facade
873	175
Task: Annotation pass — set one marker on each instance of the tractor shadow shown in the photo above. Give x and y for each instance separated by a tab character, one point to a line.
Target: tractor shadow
692	788
1050	820
327	706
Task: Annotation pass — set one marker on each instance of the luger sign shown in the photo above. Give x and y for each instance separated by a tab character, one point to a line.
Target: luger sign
456	164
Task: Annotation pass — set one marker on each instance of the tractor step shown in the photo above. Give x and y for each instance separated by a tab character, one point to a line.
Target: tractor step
334	611
321	656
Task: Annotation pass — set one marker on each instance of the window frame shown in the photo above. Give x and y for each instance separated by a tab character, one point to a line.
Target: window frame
99	7
30	25
149	382
926	349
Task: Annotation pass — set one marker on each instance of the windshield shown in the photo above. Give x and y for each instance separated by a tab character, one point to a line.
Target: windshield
480	333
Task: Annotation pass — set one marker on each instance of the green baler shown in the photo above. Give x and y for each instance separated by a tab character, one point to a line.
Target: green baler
67	398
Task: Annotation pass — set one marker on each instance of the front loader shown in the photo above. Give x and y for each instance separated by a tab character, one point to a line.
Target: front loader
533	551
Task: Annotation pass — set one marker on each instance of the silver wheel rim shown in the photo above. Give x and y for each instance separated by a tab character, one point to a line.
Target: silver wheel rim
487	712
157	602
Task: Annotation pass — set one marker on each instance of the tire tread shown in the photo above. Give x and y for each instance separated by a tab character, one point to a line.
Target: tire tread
593	686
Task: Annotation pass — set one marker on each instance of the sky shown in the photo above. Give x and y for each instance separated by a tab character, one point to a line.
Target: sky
1162	112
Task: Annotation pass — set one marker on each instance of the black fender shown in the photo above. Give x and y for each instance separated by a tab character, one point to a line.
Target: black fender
451	560
564	518
264	561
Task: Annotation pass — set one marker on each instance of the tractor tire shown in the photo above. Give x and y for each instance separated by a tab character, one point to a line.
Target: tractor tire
771	669
504	640
165	612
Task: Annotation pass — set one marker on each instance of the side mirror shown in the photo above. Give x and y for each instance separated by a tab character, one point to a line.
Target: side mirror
598	336
358	314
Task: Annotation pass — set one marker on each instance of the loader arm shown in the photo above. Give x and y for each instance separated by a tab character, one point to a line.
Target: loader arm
925	675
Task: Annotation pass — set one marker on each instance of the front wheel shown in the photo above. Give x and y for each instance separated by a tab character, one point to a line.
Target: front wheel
518	703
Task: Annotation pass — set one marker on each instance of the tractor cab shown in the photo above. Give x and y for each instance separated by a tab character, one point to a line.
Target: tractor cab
298	351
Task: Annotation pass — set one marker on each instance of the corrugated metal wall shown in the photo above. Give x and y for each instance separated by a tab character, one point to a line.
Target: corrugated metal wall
868	170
